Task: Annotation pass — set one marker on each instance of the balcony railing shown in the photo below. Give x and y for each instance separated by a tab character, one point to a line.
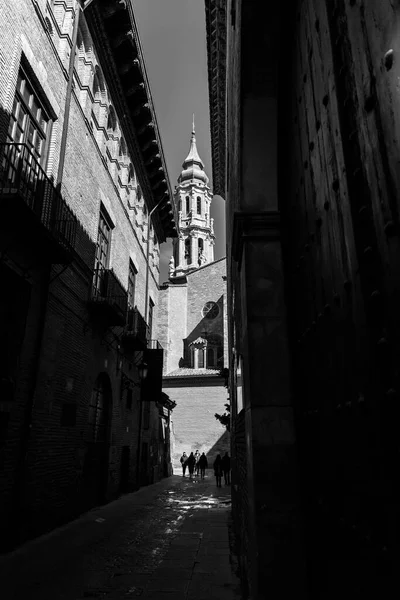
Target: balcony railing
109	296
21	175
136	331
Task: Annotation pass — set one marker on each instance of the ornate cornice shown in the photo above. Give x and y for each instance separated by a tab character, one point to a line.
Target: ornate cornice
114	32
249	226
216	53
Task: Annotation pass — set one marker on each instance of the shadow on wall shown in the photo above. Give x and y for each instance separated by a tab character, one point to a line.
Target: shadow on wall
212	329
222	445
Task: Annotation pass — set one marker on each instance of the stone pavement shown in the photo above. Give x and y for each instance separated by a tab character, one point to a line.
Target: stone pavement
167	541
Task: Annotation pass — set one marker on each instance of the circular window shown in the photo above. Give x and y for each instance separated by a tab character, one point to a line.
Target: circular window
210	310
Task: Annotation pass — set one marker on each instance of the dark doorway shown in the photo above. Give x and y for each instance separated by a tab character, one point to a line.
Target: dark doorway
125	459
95	471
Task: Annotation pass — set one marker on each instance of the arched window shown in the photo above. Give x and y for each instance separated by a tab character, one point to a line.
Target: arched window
200	257
200	358
96	88
131	175
210	357
188	251
198	205
111	120
187	205
180	205
122	148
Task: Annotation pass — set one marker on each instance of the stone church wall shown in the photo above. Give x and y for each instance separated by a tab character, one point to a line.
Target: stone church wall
194	426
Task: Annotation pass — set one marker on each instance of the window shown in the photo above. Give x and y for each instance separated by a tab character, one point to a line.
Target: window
188	251
98	410
122	147
102	252
29	122
198	205
180	205
210	310
200	358
151	311
96	89
201	258
131	285
187	205
131	176
111	120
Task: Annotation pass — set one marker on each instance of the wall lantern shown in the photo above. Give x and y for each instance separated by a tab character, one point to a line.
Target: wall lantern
143	370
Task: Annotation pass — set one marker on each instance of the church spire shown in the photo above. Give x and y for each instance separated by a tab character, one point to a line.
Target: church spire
193	197
193	166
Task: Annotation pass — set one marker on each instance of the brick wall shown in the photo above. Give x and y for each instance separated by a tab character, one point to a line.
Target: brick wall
76	348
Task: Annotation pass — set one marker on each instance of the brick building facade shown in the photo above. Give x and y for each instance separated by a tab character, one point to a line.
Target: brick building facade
85	196
192	326
305	139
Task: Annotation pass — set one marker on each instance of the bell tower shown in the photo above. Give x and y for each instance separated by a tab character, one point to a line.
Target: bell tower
195	245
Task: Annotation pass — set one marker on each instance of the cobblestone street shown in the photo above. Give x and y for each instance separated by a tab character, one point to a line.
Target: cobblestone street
169	540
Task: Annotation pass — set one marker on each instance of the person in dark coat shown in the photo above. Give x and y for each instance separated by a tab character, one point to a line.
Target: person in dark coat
218	469
191	461
184	464
226	467
203	465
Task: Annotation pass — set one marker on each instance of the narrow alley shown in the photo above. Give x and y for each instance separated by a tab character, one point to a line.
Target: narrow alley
168	540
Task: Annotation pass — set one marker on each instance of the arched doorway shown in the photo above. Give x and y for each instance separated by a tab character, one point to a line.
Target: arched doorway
95	472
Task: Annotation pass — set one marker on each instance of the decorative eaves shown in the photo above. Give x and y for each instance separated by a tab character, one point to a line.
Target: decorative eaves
113	29
216	54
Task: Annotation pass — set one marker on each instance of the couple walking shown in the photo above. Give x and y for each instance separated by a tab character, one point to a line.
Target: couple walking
222	466
192	462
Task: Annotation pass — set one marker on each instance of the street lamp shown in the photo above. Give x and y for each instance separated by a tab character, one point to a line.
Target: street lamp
143	370
146	299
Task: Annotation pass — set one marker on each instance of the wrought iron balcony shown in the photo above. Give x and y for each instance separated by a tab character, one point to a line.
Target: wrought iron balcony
136	331
108	298
31	204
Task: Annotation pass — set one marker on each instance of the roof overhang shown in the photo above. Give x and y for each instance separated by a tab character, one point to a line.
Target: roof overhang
113	29
216	54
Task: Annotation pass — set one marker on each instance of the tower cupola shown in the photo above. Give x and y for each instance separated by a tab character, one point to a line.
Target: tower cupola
195	246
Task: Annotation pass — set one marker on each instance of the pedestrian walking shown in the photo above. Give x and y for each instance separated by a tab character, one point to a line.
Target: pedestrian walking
184	463
226	468
191	461
196	457
218	469
203	465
